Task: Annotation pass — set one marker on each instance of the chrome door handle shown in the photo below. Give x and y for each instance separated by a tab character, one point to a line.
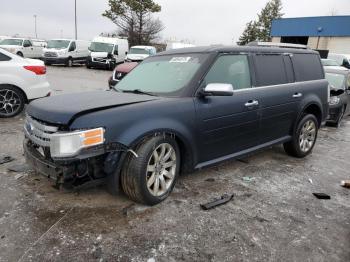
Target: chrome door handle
252	103
296	95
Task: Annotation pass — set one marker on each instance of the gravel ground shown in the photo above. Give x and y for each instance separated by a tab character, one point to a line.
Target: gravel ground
273	217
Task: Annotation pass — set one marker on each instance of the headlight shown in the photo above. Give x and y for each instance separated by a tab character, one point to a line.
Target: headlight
70	143
334	100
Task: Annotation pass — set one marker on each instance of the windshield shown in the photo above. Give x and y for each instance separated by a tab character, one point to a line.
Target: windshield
164	75
58	44
11	42
139	51
336	80
329	62
101	47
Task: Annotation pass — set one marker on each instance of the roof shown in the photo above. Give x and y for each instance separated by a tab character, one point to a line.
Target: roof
311	26
143	47
230	49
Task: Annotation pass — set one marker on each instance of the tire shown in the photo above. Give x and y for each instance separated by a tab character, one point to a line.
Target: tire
304	137
20	54
47	63
146	180
12	101
69	62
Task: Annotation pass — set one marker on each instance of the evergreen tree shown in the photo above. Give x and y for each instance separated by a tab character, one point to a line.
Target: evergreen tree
260	30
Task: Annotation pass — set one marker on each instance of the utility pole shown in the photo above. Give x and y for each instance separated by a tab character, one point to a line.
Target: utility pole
36	34
75	12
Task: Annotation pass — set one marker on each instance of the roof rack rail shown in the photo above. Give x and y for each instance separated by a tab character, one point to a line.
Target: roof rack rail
273	44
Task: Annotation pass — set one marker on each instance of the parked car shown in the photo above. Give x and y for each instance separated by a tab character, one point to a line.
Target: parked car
107	52
21	81
341	59
22	46
339	104
66	51
139	53
120	72
178	111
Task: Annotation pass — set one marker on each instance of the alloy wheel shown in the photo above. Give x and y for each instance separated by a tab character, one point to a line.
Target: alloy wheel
10	102
161	168
307	136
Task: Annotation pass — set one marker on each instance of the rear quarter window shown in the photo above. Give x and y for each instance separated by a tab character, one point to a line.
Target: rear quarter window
307	67
4	57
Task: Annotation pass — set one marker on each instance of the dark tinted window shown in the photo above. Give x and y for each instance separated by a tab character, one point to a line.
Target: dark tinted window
270	69
230	69
4	57
27	43
72	46
307	67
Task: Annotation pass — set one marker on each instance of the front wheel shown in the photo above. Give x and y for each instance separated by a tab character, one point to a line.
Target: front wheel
150	177
69	62
304	137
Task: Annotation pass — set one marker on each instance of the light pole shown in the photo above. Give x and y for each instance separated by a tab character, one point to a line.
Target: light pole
75	15
36	34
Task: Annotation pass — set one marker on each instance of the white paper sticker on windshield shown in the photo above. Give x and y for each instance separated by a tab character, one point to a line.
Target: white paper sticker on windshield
180	59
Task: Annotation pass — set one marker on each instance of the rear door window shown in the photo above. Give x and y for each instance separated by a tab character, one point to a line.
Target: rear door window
270	69
230	69
307	67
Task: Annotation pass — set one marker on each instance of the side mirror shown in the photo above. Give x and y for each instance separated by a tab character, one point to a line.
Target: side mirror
26	45
126	52
116	52
218	89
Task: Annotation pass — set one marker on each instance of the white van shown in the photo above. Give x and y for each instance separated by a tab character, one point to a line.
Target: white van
139	53
23	47
106	52
66	51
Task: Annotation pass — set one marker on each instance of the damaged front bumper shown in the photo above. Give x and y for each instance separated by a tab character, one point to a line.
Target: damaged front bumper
91	167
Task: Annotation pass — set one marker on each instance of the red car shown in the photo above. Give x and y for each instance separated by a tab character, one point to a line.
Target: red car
119	72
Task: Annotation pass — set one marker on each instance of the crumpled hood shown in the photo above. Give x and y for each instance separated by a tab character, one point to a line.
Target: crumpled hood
99	54
136	56
62	109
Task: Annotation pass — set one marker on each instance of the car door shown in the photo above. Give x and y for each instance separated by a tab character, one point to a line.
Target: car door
276	94
227	124
73	50
28	50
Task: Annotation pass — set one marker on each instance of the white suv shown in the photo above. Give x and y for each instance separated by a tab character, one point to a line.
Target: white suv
21	80
22	47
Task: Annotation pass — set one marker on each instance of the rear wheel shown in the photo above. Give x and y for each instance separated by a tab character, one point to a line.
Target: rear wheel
150	177
304	137
11	101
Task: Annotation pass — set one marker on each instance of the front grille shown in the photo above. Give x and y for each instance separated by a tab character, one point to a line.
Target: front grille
100	60
38	132
50	54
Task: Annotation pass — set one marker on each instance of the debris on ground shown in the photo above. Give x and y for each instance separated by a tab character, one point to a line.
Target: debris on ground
5	159
210	179
20	168
217	202
310	180
345	183
322	195
248	178
20	175
243	161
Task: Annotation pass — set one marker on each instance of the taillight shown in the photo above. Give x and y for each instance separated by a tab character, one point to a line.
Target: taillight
38	70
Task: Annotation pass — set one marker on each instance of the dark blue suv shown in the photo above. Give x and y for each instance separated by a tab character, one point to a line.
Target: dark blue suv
178	111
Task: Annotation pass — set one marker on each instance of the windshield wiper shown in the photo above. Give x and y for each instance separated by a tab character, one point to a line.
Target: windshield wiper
138	91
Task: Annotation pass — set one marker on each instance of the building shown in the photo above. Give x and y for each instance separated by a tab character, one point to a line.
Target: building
330	33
